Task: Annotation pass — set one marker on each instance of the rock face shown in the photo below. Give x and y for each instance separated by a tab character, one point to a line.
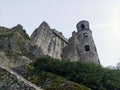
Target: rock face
9	80
49	40
11	45
81	46
15	47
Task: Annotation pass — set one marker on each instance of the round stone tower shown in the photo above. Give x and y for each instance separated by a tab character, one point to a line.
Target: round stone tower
86	47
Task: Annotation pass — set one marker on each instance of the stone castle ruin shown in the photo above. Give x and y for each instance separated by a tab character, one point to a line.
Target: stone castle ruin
80	47
49	40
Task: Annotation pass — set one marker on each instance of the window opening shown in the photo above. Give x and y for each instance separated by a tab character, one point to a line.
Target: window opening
87	48
85	34
82	26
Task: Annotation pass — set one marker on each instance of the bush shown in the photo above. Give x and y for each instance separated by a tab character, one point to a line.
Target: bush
88	74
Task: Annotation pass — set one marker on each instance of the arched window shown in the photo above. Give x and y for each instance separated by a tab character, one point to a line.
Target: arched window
82	26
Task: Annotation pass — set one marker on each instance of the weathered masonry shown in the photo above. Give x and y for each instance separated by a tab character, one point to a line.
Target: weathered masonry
49	40
80	47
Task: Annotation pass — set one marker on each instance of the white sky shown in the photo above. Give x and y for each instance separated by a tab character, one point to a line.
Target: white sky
63	15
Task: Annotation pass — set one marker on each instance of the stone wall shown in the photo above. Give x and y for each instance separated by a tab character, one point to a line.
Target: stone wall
70	51
54	44
49	40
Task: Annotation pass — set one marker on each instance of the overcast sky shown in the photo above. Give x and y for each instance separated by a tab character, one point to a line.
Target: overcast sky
63	15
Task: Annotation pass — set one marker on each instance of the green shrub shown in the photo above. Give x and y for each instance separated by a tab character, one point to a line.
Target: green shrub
1	78
88	74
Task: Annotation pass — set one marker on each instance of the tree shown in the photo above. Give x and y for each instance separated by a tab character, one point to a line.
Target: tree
118	65
111	67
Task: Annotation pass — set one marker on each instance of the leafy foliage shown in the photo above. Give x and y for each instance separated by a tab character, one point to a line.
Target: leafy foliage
49	81
88	74
118	65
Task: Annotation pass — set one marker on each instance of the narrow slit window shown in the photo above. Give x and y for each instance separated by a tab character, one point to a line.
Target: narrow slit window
85	35
87	48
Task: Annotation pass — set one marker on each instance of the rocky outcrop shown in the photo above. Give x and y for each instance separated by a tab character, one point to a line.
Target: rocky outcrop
9	80
12	51
10	63
34	49
49	40
15	47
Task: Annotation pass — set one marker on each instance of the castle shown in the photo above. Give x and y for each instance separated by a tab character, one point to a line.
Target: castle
80	47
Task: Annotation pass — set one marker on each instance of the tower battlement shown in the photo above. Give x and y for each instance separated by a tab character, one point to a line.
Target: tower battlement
59	34
82	25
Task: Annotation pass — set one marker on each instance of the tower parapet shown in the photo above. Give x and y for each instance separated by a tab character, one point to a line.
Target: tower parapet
83	25
59	34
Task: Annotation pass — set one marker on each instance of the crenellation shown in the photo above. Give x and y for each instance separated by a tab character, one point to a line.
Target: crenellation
59	34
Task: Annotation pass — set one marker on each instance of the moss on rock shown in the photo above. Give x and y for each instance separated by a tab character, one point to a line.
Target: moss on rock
1	78
49	81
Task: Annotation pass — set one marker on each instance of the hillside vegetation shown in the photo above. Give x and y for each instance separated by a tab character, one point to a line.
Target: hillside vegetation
88	74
